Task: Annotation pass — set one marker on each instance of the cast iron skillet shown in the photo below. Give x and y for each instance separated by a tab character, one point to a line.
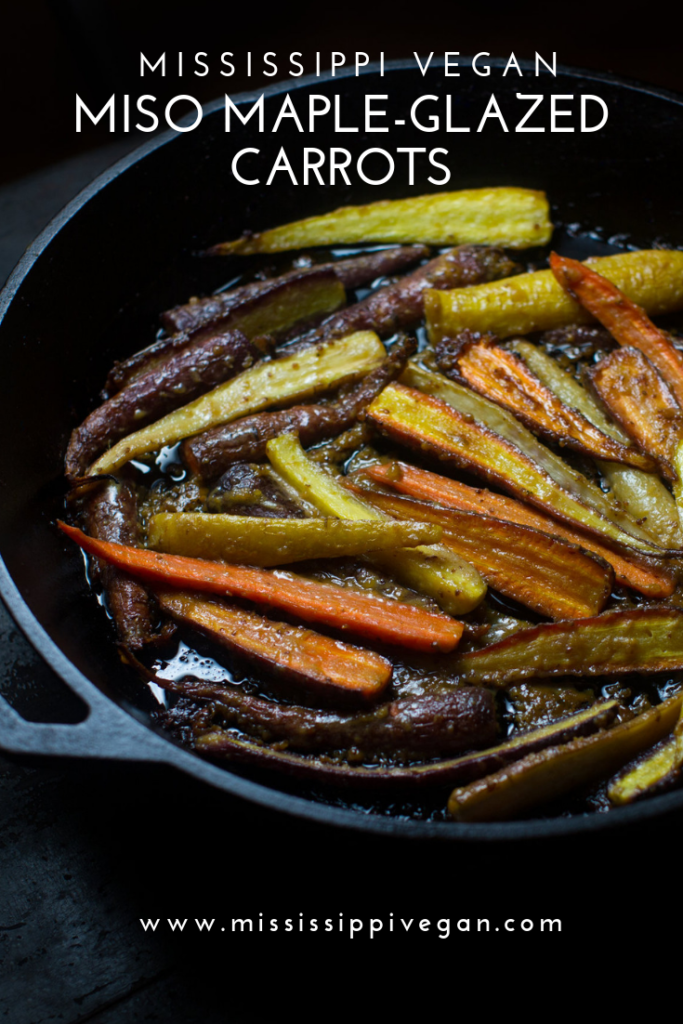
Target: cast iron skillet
90	288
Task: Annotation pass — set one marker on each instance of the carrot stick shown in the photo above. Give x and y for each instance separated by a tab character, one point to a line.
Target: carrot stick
505	379
505	453
545	573
364	613
419	483
628	323
634	393
294	653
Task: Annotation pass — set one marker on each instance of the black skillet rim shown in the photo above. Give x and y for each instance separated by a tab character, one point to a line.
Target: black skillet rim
176	756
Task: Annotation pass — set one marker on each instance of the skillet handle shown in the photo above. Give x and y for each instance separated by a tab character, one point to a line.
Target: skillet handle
107	732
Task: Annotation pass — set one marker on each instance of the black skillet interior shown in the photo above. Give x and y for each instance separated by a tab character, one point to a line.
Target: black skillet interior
108	267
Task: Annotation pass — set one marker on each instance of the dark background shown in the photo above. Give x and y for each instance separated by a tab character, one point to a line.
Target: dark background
85	849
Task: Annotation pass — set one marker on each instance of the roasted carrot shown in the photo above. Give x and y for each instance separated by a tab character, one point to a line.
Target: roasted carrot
216	741
453	583
644	639
290	378
655	772
642	495
504	378
317	662
223	537
504	424
514	217
361	612
639	400
552	772
628	323
434	426
536	302
544	573
655	582
408	727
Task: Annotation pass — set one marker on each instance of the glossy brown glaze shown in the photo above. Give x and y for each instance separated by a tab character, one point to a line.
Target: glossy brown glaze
246	489
580	341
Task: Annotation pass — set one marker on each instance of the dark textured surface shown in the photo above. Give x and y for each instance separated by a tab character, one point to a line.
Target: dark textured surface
87	850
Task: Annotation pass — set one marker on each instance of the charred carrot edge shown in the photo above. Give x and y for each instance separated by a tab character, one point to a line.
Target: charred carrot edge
545	573
628	323
420	483
633	393
295	653
505	379
364	613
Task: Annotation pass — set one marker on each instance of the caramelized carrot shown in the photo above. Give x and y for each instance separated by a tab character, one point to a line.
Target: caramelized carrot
361	612
554	771
326	666
653	581
505	379
524	466
636	396
628	323
644	639
545	573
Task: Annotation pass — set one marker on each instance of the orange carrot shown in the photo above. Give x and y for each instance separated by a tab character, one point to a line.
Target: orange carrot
544	573
633	393
420	483
506	379
326	666
365	613
628	323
